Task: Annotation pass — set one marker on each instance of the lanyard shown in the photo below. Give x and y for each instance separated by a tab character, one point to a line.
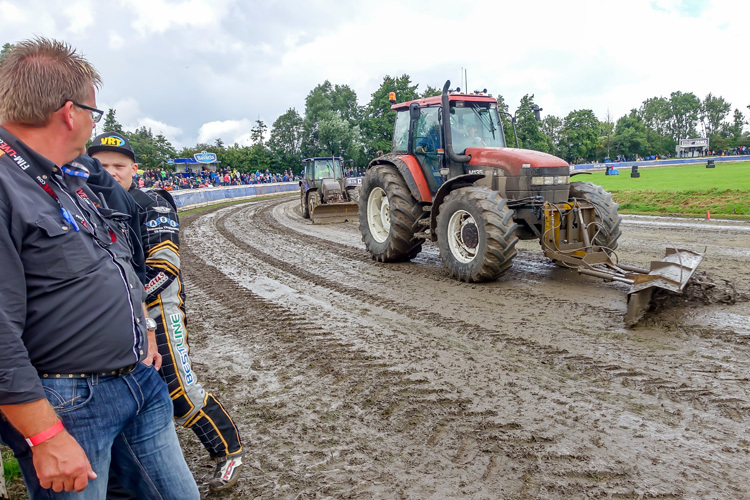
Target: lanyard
39	178
38	175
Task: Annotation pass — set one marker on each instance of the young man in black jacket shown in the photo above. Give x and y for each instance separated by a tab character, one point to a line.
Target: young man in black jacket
160	231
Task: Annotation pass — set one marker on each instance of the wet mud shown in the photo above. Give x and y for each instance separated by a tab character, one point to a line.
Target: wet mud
350	378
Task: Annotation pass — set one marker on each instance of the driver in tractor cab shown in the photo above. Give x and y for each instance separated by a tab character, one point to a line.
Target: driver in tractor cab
324	170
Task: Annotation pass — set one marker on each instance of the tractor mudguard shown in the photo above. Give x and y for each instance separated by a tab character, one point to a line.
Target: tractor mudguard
411	172
448	186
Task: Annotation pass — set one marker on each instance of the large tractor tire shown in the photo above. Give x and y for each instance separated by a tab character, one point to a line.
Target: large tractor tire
606	212
476	234
387	215
303	204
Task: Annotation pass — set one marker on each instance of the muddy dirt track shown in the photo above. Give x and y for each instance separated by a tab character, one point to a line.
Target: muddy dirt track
354	379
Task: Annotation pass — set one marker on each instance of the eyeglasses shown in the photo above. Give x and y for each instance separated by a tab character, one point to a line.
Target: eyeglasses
96	114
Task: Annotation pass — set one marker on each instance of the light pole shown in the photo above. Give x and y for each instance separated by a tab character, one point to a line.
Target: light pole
537	116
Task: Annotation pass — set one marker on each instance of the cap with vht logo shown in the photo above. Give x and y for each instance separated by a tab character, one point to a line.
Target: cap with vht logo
111	141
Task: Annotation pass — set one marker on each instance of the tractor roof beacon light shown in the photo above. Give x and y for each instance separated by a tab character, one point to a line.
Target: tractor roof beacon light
392	97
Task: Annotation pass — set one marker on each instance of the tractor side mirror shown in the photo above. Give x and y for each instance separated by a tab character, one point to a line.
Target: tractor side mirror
537	113
414	111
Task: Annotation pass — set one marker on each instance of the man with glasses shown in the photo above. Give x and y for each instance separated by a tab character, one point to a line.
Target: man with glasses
76	392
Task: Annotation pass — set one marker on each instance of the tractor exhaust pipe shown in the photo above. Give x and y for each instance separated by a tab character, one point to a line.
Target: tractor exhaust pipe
447	128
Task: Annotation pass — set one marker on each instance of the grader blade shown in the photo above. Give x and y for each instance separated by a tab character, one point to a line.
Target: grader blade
671	273
332	213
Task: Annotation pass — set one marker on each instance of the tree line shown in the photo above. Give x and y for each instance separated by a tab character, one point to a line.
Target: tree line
334	123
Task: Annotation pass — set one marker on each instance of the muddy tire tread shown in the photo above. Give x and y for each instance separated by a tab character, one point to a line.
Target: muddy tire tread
496	226
303	205
606	208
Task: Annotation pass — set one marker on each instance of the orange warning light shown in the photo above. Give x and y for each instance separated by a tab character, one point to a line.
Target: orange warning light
392	97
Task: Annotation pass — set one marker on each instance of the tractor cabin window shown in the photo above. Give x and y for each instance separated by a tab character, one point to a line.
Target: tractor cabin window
401	132
475	125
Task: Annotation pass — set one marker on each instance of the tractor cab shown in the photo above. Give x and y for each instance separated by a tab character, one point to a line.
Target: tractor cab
317	169
419	131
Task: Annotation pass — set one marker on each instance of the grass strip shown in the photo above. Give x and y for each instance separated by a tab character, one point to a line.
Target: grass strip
689	190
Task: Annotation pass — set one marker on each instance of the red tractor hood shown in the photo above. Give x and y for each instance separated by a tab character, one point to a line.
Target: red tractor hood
512	160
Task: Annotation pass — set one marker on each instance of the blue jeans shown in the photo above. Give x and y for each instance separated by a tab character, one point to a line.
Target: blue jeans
125	421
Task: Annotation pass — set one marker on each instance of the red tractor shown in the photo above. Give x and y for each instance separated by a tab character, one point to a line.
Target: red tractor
452	179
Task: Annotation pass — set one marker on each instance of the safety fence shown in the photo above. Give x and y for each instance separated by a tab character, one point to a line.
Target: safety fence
193	198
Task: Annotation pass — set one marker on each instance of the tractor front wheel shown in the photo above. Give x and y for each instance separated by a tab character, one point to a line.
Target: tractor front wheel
607	218
387	215
312	202
476	234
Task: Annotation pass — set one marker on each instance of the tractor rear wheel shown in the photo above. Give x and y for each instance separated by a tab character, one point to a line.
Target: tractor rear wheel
607	217
303	205
387	215
476	234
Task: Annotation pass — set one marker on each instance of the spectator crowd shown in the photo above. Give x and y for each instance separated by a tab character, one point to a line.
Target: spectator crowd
170	180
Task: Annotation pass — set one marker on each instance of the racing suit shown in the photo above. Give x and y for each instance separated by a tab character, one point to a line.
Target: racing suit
194	408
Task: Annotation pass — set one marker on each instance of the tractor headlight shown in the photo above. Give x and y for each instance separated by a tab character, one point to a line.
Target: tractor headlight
550	180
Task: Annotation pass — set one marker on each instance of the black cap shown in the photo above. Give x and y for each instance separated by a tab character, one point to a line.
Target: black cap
111	141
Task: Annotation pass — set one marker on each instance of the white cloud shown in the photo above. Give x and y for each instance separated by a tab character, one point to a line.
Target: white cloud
80	16
203	69
116	41
129	115
230	131
159	16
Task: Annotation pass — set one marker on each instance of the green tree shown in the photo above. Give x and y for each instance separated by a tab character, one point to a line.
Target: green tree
735	129
684	112
6	48
337	137
552	127
579	136
431	91
713	112
606	130
110	122
378	120
323	103
285	142
150	151
530	135
658	115
258	132
630	136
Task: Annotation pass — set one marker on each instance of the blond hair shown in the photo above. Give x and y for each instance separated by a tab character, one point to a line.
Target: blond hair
37	77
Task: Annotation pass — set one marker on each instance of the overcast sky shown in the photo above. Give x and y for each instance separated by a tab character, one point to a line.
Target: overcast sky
197	70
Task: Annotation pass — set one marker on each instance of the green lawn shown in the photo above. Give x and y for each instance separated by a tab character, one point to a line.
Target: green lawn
683	190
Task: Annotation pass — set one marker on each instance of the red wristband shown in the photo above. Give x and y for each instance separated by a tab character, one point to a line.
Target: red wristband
46	434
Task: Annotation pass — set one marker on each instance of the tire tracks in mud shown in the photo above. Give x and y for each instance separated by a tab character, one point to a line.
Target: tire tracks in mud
516	457
413	407
631	377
